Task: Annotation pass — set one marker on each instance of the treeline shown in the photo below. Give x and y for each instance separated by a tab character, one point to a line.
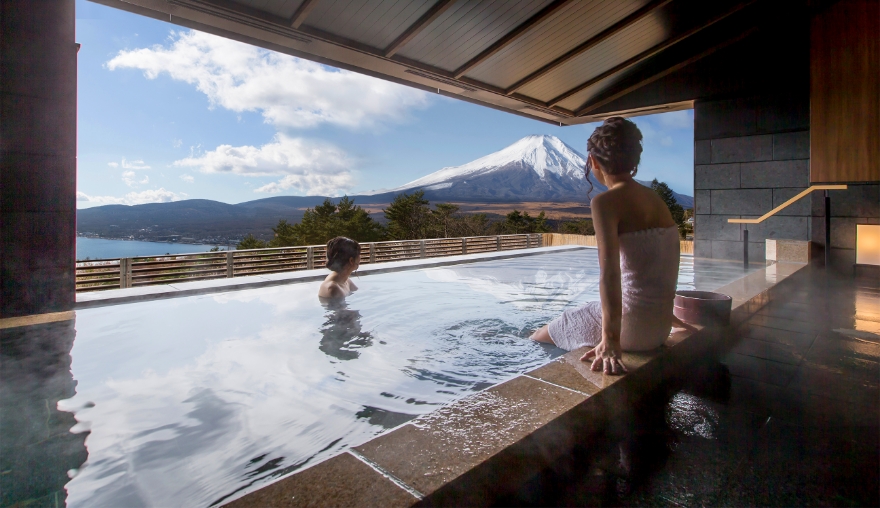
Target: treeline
411	217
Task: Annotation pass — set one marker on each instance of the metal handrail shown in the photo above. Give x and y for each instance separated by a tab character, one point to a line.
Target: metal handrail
779	208
786	204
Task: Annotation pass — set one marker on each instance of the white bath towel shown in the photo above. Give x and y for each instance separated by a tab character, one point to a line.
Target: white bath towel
649	275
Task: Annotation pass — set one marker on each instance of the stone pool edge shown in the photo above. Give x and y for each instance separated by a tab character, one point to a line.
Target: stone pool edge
177	290
469	452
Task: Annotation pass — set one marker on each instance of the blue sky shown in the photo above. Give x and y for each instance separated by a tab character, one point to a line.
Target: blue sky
166	113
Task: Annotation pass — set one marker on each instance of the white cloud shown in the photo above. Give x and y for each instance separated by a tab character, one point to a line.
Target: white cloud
138	164
289	92
176	143
132	198
130	179
677	119
314	168
126	164
187	178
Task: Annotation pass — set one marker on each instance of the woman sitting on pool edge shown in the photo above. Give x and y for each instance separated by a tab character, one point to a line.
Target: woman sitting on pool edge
343	258
638	259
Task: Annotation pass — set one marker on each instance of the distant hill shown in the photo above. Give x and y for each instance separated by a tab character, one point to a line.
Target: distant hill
534	169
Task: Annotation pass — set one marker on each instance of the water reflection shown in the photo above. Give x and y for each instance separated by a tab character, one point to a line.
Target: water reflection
38	451
341	333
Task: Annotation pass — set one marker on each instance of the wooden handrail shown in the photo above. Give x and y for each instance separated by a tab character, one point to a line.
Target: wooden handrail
786	204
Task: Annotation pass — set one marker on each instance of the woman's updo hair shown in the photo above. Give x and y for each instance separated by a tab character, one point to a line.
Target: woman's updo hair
340	250
617	145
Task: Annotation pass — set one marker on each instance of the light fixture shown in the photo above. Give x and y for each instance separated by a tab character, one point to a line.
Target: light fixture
868	244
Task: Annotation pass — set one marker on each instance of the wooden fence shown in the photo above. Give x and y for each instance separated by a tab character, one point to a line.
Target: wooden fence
556	239
94	275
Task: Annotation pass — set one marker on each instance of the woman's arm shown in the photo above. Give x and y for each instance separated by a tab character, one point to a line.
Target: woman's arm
607	355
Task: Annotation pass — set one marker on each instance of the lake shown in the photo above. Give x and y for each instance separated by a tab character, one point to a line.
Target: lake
99	248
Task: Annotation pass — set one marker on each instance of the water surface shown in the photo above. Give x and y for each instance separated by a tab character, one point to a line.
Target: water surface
192	401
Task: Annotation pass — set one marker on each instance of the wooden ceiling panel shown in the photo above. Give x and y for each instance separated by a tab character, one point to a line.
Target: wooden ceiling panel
468	28
370	22
643	35
520	56
280	8
572	25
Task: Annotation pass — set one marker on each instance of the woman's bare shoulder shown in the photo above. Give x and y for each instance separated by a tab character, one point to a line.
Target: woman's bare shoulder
330	289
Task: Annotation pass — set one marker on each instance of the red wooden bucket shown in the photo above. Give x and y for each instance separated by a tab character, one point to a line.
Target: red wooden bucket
703	308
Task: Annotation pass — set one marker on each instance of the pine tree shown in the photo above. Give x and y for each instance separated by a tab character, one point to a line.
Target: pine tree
668	197
409	217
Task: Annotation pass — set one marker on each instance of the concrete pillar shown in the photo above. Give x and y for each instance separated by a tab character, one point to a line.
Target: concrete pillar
37	156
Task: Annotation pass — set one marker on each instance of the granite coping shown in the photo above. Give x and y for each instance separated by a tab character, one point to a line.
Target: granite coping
468	452
182	289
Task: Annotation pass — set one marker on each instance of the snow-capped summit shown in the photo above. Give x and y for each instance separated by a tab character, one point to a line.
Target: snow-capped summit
535	168
540	153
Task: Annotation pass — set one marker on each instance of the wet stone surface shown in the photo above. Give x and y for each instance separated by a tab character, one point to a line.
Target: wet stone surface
789	417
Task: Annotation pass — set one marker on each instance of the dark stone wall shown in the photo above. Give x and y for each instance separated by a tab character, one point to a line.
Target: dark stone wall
752	154
37	156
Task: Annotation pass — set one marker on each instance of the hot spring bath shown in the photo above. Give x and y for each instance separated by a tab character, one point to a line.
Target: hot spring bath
195	400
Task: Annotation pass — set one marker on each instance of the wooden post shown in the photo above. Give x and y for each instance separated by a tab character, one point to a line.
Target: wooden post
421	248
125	273
464	245
498	242
528	241
372	253
230	265
310	258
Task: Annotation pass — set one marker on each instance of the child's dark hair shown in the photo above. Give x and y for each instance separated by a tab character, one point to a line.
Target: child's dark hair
340	250
617	145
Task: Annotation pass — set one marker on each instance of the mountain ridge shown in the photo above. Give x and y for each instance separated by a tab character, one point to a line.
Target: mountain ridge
534	169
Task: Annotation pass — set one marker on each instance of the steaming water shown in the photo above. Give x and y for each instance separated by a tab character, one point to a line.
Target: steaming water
192	401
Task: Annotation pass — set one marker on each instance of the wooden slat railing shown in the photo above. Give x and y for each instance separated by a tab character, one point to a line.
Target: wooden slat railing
99	274
556	239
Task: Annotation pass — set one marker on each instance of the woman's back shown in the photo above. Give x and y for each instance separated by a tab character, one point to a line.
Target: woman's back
636	207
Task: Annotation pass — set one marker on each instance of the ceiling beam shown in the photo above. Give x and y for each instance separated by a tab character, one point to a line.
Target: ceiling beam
430	15
592	106
510	37
302	12
584	46
646	54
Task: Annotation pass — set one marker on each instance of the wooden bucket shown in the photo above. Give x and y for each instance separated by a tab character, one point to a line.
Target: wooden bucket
703	308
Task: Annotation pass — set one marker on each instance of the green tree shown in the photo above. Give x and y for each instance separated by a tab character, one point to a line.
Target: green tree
668	197
409	217
518	223
326	221
354	222
445	221
577	227
539	224
251	242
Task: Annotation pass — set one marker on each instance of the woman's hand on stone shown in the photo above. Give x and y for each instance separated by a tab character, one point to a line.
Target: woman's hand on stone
607	357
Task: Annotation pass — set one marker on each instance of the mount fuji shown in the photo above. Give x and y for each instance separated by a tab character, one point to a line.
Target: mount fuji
535	168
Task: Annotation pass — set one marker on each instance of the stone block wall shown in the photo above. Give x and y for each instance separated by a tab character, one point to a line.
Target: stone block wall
750	156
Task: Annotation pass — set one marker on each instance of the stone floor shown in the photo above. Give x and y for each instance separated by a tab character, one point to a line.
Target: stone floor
788	417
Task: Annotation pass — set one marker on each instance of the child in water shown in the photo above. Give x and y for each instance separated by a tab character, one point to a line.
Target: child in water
343	258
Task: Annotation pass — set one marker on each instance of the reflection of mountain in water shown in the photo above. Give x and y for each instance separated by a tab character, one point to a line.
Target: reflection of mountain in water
341	332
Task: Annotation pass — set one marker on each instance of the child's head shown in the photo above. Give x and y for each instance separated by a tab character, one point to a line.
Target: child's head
340	251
